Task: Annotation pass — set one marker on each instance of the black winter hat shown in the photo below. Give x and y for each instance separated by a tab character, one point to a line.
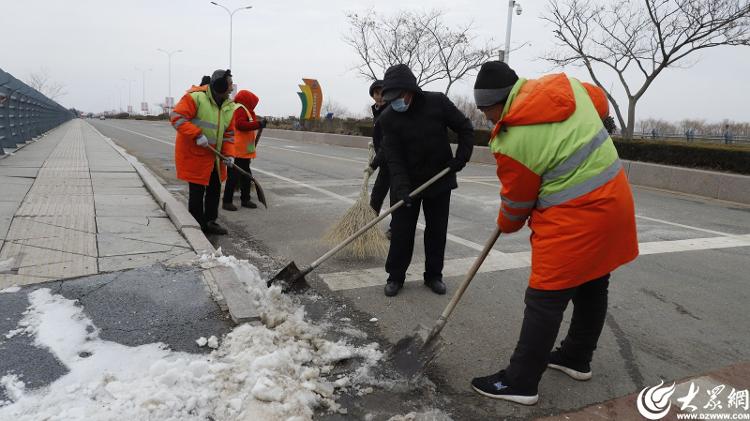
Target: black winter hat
219	82
205	80
398	78
494	82
375	85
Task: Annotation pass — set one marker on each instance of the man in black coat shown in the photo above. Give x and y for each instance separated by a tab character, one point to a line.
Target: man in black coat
416	146
383	180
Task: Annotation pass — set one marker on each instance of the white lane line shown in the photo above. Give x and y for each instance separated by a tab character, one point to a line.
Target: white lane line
661	221
494	263
363	161
140	134
458	240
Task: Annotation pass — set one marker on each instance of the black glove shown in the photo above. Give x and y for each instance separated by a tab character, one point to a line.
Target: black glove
456	164
263	123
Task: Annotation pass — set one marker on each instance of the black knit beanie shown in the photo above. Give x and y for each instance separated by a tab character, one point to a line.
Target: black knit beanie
494	82
375	85
219	82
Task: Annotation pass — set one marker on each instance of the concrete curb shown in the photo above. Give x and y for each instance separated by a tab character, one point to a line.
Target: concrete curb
709	184
223	283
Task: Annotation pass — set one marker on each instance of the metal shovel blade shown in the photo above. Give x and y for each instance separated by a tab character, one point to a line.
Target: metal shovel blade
290	277
411	355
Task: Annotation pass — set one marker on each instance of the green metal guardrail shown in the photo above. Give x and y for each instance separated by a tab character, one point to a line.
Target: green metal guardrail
25	113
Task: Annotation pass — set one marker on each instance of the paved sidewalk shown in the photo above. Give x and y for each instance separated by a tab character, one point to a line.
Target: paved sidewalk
73	206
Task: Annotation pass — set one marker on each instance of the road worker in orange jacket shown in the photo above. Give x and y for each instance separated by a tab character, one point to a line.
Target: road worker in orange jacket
559	171
203	120
246	126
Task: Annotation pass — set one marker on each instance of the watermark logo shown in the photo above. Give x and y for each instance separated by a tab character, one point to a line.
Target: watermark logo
653	402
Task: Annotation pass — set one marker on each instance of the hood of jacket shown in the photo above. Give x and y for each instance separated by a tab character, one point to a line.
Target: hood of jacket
247	98
549	99
400	77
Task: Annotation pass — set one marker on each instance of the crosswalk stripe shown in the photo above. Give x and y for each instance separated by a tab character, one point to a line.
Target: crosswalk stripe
504	261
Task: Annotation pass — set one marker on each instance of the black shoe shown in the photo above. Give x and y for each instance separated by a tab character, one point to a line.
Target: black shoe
578	371
436	285
213	228
392	288
493	386
228	206
249	204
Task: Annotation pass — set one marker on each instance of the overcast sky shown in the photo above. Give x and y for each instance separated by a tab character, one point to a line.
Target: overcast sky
91	46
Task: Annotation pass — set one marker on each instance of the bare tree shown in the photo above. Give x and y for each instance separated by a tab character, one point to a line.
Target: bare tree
637	40
42	82
332	106
467	106
421	40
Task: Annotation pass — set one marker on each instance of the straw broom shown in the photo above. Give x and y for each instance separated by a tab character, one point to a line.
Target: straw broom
373	242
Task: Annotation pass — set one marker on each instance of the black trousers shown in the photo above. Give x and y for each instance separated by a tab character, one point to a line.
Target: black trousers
380	188
203	201
403	228
234	178
541	323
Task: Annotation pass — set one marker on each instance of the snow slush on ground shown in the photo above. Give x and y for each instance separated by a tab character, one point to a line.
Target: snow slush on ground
279	369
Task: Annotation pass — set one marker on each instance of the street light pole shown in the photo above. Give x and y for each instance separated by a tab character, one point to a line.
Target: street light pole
231	16
169	74
511	5
144	86
130	92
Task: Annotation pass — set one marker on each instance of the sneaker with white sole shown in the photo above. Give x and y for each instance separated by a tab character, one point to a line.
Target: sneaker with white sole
577	371
493	386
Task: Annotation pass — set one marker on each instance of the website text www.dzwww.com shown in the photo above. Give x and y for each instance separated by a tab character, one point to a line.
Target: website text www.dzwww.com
717	416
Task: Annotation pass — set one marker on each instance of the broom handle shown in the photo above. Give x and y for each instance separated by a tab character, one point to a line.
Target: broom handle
372	223
464	285
222	157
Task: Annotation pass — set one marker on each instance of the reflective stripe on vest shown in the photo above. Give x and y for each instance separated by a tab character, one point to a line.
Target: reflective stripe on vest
575	160
579	190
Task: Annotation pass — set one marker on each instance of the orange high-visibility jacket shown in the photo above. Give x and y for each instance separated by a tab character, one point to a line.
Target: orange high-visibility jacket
197	113
559	169
244	140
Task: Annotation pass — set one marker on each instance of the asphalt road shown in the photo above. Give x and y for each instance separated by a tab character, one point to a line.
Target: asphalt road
678	310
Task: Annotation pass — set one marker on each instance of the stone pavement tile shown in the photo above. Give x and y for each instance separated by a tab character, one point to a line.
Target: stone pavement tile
143	199
109	264
102	176
100	190
62	182
13	192
125	224
116	182
61	205
7	180
47	264
18	172
128	243
28	232
115	209
7	210
83	223
61	189
9	280
66	173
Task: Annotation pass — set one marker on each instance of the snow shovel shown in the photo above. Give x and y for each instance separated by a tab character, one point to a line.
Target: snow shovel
413	353
291	274
258	189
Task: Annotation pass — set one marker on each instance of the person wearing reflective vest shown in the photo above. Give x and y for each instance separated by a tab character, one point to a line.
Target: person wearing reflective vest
246	124
560	171
203	118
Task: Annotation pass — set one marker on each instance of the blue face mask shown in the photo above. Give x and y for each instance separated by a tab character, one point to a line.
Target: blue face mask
399	105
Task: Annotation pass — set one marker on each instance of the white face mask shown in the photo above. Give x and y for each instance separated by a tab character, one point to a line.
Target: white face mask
399	105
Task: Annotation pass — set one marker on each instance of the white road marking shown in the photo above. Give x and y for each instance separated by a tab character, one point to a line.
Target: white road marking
661	221
497	260
458	267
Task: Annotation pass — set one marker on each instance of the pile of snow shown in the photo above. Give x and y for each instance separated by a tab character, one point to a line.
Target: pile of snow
275	370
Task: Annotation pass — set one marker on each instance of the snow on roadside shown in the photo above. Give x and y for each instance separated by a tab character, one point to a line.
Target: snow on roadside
274	370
